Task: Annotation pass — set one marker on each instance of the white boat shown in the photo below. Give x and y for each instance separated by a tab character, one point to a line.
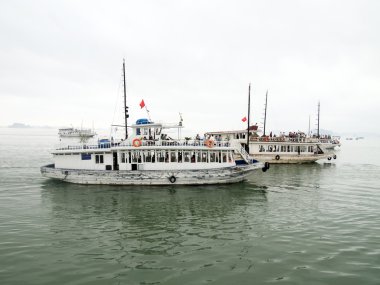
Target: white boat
150	157
75	133
295	148
281	149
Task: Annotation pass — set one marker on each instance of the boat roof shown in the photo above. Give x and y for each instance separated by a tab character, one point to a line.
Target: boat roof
156	125
251	129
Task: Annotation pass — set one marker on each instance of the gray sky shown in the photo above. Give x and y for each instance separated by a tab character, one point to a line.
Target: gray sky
60	62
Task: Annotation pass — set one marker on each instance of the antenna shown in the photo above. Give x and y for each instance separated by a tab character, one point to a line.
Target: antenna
249	113
319	110
126	116
265	113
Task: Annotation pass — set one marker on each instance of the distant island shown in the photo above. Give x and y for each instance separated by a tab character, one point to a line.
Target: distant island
19	125
25	126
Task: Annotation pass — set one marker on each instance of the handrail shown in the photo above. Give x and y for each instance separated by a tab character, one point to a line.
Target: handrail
240	149
149	143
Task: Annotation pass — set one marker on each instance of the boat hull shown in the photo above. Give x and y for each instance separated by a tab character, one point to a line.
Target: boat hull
151	177
289	159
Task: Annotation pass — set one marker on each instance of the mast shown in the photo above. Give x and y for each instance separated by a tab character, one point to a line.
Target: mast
126	116
249	112
319	109
265	112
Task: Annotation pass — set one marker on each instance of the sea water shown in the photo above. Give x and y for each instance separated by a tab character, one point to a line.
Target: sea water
295	224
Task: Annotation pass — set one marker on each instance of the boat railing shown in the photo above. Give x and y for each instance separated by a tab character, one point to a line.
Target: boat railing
290	139
84	146
182	143
165	143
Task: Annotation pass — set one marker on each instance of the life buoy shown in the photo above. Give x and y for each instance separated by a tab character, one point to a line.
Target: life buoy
277	157
334	156
136	142
329	158
209	143
172	179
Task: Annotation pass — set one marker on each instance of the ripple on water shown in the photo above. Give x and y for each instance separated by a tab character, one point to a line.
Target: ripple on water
314	224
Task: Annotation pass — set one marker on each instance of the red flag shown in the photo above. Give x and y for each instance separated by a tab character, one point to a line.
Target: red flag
142	104
244	119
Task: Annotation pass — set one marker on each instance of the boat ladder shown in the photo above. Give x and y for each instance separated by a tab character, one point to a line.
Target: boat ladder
244	154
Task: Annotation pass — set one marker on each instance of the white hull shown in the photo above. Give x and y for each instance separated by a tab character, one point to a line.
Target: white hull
276	158
151	177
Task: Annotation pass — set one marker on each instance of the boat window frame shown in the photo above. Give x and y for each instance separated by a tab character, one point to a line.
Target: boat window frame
99	158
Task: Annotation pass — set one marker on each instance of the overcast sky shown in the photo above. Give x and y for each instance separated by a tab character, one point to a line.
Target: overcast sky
61	62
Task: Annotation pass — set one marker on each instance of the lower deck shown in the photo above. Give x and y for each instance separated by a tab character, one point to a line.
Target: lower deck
146	159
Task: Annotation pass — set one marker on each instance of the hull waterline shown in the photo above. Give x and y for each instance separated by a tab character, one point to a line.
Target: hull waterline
152	177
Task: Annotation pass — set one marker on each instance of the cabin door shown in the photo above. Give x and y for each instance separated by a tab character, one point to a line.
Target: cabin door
115	164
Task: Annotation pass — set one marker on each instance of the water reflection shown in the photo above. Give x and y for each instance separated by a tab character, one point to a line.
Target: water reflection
150	204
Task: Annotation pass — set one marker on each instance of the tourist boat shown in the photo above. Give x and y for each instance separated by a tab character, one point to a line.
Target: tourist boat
150	157
281	149
292	148
75	133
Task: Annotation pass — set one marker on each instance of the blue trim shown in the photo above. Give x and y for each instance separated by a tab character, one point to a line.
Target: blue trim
240	162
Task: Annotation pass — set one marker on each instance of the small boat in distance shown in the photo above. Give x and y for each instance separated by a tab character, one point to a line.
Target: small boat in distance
75	133
149	156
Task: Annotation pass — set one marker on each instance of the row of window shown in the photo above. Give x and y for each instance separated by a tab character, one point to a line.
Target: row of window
158	156
287	148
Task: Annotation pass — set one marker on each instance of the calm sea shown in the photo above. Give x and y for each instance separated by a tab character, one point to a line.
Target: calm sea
295	224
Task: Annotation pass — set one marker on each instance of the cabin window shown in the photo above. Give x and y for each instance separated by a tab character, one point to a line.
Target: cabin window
204	156
303	148
86	156
224	157
283	148
230	157
173	156
160	156
123	157
136	157
199	156
261	148
218	157
148	155
99	158
180	156
212	156
193	157
186	155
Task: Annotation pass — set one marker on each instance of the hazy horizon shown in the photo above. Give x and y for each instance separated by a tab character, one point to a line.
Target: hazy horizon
61	63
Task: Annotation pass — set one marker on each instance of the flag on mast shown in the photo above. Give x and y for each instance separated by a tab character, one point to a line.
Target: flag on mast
244	119
142	104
